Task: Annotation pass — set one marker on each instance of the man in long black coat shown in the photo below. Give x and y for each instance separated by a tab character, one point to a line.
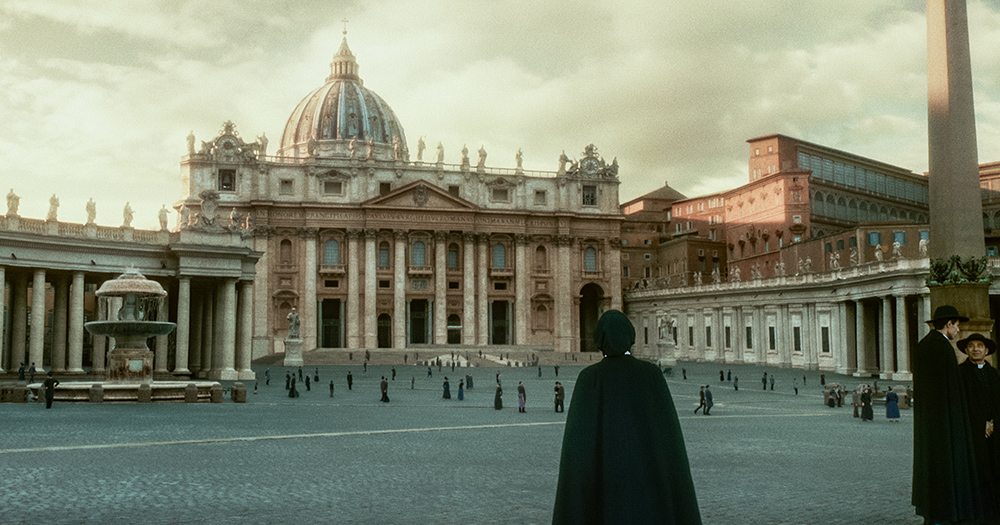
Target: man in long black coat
982	391
50	385
943	470
623	454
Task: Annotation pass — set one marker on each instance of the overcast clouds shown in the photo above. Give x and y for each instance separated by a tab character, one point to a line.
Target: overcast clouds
96	98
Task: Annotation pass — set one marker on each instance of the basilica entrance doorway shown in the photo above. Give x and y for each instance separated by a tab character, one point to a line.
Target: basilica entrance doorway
331	328
384	331
418	321
500	323
591	304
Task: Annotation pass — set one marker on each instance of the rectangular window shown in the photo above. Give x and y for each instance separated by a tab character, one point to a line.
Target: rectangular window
852	241
925	235
590	195
286	187
749	337
899	237
770	337
385	283
453	189
539	198
648	272
453	285
452	259
690	336
874	238
500	195
624	271
645	334
227	180
708	336
828	248
329	283
840	244
331	187
797	338
499	286
797	219
729	338
825	331
384	188
383	258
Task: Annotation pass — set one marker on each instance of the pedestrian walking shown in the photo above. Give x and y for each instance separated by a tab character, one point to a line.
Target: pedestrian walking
307	382
50	385
288	379
560	396
701	400
522	397
394	372
331	388
892	405
31	371
267	377
300	373
292	392
763	380
364	367
498	377
447	389
429	373
722	376
350	381
413	380
803	380
729	374
468	381
684	373
254	387
20	373
539	370
867	414
772	381
461	389
557	370
736	383
795	385
384	387
498	398
708	401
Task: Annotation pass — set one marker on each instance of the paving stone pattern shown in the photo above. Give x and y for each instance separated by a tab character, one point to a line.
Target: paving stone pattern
762	457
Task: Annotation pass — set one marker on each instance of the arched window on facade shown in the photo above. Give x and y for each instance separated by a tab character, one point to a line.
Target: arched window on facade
331	253
285	252
842	208
852	211
590	259
863	212
453	255
541	259
831	206
419	254
817	203
383	254
499	256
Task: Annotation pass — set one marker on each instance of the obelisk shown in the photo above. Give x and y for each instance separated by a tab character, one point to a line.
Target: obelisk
959	275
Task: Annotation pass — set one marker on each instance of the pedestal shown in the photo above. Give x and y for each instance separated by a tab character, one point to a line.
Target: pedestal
130	365
293	352
666	358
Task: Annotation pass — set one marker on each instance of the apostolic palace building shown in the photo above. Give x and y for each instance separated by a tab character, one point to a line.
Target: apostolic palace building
819	261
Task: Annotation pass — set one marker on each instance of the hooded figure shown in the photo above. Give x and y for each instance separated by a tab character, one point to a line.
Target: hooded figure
623	454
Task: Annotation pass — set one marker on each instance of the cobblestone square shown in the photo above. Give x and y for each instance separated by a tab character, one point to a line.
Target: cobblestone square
761	457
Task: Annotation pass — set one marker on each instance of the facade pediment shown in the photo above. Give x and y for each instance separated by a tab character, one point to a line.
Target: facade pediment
420	194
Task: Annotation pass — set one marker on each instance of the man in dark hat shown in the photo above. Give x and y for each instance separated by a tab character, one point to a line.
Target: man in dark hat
944	473
623	454
982	393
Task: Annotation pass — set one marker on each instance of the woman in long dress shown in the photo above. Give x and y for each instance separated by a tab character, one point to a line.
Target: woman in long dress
447	389
498	398
461	389
892	406
866	405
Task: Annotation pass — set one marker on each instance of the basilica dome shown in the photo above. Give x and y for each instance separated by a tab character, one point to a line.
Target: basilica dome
342	112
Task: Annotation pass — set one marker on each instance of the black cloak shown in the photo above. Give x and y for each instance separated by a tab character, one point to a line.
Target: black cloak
982	389
498	398
623	453
943	469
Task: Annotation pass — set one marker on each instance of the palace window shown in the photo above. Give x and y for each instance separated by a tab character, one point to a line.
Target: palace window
499	256
541	259
590	195
419	254
383	254
452	255
590	260
285	252
331	253
874	238
899	237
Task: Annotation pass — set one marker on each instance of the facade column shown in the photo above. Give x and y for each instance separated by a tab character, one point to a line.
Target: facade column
859	334
902	342
782	330
194	346
563	306
36	339
844	346
207	329
244	325
371	282
76	324
522	279
812	337
399	290
308	305
225	323
183	330
736	334
482	300
613	273
440	288
885	331
469	289
60	304
160	352
353	290
263	305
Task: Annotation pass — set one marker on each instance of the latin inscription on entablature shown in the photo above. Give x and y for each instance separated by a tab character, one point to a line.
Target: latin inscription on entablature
502	221
541	223
286	214
334	215
419	217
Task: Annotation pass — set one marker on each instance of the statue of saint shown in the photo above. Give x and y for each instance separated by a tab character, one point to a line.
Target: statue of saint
293	324
465	155
234	219
440	153
922	245
420	149
127	216
262	140
897	250
313	147
163	217
395	148
854	257
190	142
13	201
563	160
736	275
53	208
371	148
518	157
879	252
482	157
809	264
91	211
184	217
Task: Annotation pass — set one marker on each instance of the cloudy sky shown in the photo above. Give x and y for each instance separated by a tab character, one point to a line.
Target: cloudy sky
96	98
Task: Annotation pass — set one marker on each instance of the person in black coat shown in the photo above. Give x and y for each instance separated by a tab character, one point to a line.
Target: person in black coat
292	392
867	413
20	373
350	381
447	389
623	454
943	490
384	386
50	385
288	380
498	398
982	389
307	382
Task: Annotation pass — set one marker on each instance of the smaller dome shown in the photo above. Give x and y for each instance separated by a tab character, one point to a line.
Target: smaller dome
342	110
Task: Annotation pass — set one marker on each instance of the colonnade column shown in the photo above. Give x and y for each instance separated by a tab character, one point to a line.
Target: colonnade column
60	301
207	330
440	288
353	290
521	281
160	350
4	350
371	281
902	342
843	346
812	338
76	324
36	341
244	327
226	351
218	329
885	342
859	334
19	320
781	336
197	308
736	326
308	304
469	289
399	290
563	306
183	330
482	300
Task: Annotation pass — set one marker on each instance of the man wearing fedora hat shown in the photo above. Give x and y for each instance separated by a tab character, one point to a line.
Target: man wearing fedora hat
982	392
945	488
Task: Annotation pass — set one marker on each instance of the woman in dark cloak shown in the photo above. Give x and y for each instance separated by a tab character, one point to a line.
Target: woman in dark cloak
867	414
498	398
623	453
447	389
461	389
892	405
292	392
